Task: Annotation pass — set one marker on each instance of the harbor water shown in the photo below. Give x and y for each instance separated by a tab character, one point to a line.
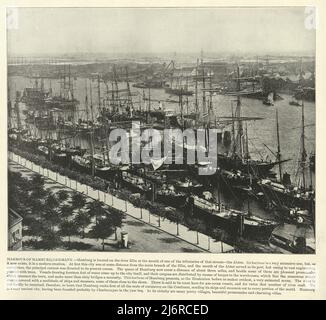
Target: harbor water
261	133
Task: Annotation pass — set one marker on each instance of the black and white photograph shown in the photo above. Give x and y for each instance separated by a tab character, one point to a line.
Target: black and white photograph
161	129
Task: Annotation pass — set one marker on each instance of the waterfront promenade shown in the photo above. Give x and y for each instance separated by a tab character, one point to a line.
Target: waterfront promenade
147	232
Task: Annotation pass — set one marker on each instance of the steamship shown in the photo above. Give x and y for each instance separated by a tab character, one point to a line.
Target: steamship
236	222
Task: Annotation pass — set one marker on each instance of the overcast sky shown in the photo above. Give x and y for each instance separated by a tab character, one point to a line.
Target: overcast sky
131	30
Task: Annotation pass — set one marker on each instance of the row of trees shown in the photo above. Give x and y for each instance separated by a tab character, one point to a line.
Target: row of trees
51	216
179	217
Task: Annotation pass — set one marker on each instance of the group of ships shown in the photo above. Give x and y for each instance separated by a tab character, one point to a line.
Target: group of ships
176	185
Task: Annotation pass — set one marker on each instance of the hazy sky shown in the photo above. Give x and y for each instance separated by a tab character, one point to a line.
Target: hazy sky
74	30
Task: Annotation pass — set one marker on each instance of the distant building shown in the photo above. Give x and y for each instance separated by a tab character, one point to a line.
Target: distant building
15	228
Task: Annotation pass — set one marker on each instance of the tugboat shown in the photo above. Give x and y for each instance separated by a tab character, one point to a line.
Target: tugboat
234	221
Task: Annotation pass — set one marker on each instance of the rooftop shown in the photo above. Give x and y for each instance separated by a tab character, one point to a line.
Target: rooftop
14	218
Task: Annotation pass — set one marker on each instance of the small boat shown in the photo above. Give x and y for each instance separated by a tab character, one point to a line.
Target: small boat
294	103
268	103
82	163
287	194
269	100
135	183
295	215
75	151
59	153
102	168
298	244
43	150
188	185
179	91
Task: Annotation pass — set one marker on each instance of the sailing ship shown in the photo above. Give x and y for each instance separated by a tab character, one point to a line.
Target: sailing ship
65	100
36	95
283	191
238	223
240	159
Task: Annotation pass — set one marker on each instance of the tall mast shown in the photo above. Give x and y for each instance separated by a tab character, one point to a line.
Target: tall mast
196	93
92	132
112	98
204	94
238	113
130	104
64	82
92	150
99	92
171	80
210	98
91	94
233	130
86	103
69	81
278	147
9	104
149	103
187	99
303	149
17	110
116	102
247	144
248	169
218	181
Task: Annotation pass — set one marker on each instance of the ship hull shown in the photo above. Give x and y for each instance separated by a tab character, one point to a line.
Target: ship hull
173	200
134	187
81	168
262	232
286	199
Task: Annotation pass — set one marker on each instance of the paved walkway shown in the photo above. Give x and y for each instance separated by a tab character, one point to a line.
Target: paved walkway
142	215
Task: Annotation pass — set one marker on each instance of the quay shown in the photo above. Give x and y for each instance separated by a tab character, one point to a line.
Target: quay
159	233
